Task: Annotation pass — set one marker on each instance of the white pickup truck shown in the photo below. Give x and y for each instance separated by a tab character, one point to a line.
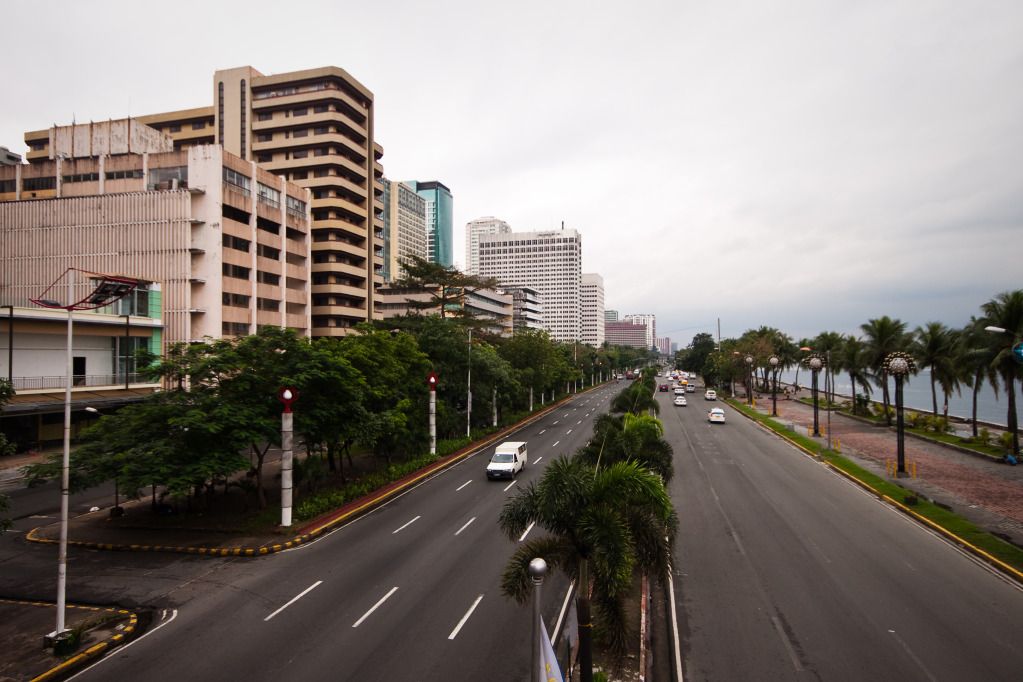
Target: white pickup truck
508	460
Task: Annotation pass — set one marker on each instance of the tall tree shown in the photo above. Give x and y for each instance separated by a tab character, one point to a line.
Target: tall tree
852	357
883	335
601	525
1005	311
446	286
933	349
977	353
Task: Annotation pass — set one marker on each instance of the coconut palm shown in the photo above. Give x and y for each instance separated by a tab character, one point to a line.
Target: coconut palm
630	437
852	357
601	524
1006	311
934	350
977	354
883	336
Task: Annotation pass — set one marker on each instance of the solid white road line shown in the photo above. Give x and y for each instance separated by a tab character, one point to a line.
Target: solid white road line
537	460
463	485
295	599
526	532
454	633
509	486
174	614
564	607
465	526
375	607
406	525
674	629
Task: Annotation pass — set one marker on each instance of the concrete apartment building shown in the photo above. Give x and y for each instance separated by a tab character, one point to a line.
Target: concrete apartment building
439	220
650	322
314	128
591	293
404	228
549	262
495	307
625	334
228	242
610	315
527	308
474	229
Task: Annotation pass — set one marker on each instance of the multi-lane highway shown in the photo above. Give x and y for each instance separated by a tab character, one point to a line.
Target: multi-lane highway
408	592
786	571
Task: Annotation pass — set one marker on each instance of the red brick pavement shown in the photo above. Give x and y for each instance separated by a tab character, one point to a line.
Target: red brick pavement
985	491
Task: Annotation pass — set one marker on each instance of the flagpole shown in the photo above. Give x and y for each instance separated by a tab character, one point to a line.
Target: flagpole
537	570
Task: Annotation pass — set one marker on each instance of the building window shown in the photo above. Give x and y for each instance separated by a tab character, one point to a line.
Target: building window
264	158
242	116
236	243
300	175
268	278
78	177
220	112
268	252
268	195
236	300
236	271
300	154
123	174
234	329
198	125
176	128
301	132
321	109
237	180
9	186
299	112
264	137
175	177
268	304
264	115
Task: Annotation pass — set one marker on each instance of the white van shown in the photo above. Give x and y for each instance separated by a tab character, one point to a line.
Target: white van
509	459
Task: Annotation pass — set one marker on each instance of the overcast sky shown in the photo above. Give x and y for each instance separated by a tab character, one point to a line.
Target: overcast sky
802	165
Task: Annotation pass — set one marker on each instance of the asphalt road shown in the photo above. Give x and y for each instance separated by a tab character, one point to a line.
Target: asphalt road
786	571
407	592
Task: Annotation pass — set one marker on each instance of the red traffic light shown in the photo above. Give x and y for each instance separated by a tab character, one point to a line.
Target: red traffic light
431	379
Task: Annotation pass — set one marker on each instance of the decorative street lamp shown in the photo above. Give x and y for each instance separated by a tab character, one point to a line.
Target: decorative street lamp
102	291
431	380
537	571
773	361
749	380
815	362
468	392
287	396
899	365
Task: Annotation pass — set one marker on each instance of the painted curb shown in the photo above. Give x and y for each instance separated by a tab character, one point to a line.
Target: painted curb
79	660
328	521
993	561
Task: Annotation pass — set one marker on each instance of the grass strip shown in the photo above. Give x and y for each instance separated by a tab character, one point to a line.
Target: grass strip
939	515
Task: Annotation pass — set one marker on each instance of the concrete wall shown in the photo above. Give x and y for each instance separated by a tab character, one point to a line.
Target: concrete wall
123	136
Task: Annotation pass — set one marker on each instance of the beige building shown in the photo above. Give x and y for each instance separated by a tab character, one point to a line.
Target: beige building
493	306
229	242
405	228
591	293
315	128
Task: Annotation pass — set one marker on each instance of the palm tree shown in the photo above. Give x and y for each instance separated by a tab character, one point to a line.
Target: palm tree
977	354
1006	311
934	351
608	522
883	335
852	358
826	344
629	437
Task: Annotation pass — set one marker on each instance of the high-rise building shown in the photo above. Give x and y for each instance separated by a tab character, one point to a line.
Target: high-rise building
549	262
650	322
439	220
663	345
527	308
610	315
592	296
473	230
625	334
227	241
404	228
315	128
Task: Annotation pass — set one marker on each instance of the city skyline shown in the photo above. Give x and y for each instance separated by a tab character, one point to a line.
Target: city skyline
817	166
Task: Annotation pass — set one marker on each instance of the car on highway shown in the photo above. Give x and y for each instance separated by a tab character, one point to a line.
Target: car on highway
679	390
691	388
663	387
711	394
680	401
716	416
508	460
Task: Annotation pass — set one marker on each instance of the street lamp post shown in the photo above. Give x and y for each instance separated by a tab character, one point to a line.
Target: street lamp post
286	395
468	392
749	380
831	387
773	361
537	571
109	289
431	380
899	365
815	362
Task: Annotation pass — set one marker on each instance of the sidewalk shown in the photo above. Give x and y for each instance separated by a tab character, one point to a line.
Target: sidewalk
979	489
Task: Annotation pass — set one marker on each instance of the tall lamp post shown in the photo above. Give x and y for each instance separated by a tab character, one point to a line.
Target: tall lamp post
537	571
899	365
102	291
749	380
815	362
287	396
431	380
468	391
773	361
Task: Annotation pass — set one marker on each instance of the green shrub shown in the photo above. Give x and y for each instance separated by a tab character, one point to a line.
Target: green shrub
1005	441
984	436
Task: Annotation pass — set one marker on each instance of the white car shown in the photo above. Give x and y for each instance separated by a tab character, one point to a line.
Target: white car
711	394
680	401
679	390
690	389
716	416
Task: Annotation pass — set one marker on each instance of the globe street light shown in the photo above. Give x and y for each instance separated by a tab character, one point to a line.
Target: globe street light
899	365
815	362
431	380
749	380
287	395
773	361
537	571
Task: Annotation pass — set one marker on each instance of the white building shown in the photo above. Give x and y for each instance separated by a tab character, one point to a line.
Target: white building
404	228
474	229
551	263
527	307
650	322
592	295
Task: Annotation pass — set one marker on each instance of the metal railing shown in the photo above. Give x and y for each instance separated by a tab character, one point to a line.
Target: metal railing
78	380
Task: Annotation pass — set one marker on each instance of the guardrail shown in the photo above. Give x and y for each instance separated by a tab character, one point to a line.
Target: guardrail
60	381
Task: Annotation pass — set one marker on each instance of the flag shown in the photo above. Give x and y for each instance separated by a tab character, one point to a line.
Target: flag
549	670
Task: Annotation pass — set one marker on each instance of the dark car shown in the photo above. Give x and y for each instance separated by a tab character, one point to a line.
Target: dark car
663	387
